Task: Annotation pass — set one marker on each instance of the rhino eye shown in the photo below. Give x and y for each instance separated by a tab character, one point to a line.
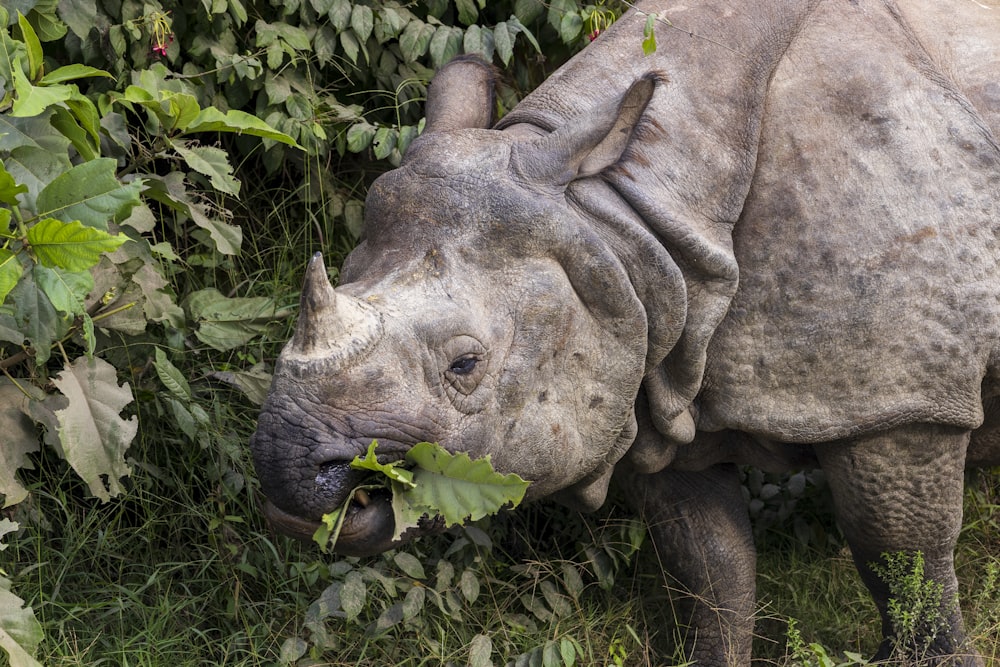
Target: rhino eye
463	365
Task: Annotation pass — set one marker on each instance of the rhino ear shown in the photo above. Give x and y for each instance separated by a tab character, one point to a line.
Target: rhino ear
588	145
462	95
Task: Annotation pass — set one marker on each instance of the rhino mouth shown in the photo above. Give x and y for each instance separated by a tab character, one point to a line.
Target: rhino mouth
367	529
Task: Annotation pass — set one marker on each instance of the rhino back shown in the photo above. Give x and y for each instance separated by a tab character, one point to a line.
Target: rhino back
867	246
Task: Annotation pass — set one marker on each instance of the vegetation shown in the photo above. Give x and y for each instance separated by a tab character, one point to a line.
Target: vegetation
166	167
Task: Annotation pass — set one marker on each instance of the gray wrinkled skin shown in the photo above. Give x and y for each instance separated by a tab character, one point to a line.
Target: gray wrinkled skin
771	243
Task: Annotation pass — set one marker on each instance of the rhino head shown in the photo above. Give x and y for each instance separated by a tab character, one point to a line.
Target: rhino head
483	310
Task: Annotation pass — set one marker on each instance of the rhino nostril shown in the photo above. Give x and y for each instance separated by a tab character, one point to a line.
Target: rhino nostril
333	474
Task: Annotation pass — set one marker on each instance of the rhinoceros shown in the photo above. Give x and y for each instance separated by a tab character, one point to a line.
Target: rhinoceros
772	242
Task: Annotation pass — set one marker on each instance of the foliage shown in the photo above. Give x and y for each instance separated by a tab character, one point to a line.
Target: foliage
917	608
128	130
454	487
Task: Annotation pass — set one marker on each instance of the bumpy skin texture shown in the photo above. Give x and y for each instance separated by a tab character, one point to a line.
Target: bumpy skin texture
771	243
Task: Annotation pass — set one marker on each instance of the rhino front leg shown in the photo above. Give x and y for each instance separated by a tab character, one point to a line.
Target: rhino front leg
701	530
900	492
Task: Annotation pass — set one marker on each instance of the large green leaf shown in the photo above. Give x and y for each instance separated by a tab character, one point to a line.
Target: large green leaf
36	318
91	193
224	322
172	191
19	440
65	289
71	245
213	120
92	434
458	487
34	167
454	487
72	73
10	272
33	100
210	161
9	188
20	631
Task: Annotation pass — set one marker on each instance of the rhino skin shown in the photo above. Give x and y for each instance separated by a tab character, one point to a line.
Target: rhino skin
772	242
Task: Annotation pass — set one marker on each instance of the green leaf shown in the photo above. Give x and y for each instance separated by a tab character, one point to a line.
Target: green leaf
504	41
340	14
362	22
33	100
349	42
384	142
527	11
35	168
458	487
66	290
213	120
172	191
481	651
392	471
649	35
445	44
9	188
360	136
410	565
36	318
20	440
79	15
10	272
72	73
170	376
64	121
71	245
224	323
20	631
91	193
388	24
516	27
93	436
467	11
415	40
570	27
212	162
478	40
34	46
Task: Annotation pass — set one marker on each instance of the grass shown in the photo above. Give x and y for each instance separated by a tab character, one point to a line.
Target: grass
181	571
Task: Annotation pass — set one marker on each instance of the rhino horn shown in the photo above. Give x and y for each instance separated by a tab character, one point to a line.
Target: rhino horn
331	327
587	146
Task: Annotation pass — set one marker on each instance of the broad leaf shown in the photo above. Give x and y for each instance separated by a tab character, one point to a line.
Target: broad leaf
212	162
415	40
34	167
71	245
457	487
72	73
171	376
392	471
19	440
224	323
92	433
91	193
213	120
36	318
65	289
10	272
254	383
172	191
34	46
20	631
33	100
9	188
362	22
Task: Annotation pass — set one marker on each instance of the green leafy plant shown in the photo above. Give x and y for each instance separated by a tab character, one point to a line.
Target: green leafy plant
917	608
451	486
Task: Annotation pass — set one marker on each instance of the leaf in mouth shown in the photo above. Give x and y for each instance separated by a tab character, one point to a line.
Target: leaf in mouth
430	481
